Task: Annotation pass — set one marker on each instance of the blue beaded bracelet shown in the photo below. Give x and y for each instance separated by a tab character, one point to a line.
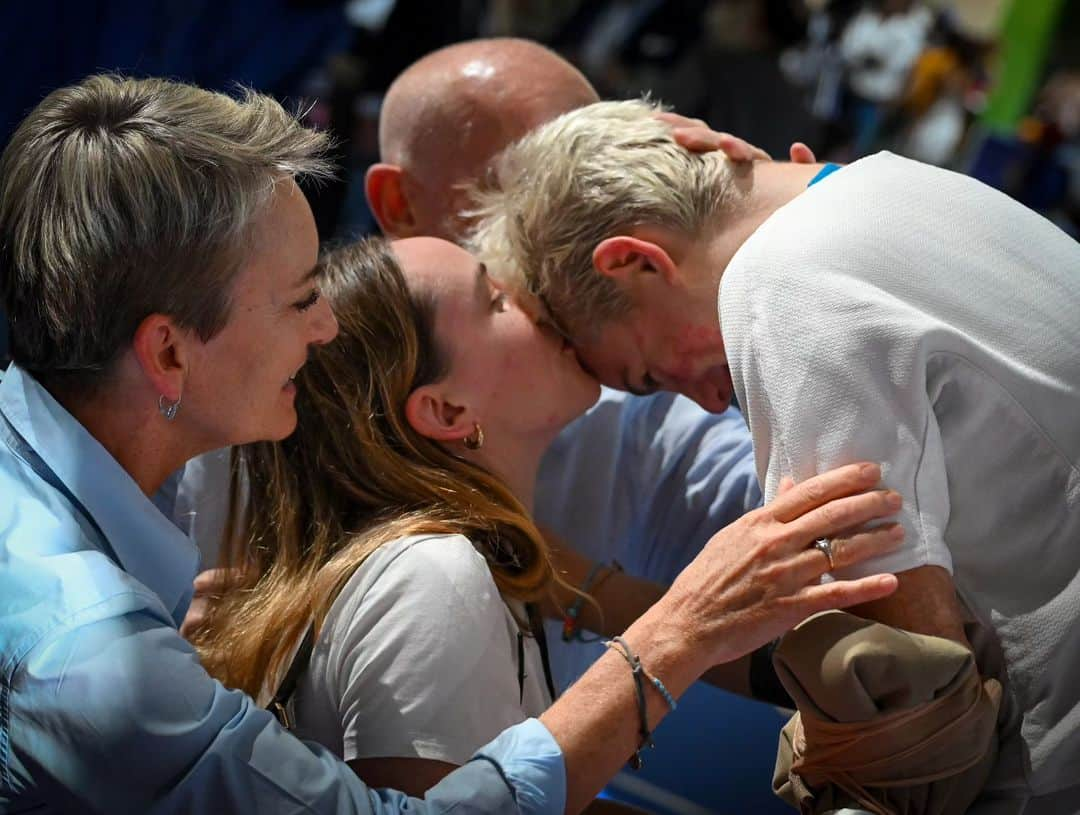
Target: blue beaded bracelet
656	683
571	629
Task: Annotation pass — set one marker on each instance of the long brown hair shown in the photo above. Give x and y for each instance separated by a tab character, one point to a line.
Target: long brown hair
354	476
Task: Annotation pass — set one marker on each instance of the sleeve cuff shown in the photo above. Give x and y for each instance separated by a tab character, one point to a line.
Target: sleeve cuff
531	763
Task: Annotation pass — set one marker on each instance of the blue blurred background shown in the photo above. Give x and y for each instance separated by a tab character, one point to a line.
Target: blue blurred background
988	87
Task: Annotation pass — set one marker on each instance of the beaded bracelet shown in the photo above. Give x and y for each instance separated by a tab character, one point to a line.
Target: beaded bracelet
571	630
656	683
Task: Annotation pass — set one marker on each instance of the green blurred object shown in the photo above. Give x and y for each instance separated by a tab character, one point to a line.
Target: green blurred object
1025	39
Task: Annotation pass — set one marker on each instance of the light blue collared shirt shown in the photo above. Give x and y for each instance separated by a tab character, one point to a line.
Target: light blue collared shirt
105	708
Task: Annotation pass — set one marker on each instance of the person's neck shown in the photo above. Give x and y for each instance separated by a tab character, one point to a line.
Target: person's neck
516	462
129	426
771	185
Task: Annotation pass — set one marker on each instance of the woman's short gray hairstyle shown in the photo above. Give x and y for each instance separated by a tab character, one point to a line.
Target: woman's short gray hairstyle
590	174
120	198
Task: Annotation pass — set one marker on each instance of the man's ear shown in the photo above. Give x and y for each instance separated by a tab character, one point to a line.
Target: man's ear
623	256
159	348
386	197
432	415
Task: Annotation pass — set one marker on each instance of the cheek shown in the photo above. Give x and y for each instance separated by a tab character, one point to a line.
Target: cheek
521	355
251	377
696	339
683	351
517	355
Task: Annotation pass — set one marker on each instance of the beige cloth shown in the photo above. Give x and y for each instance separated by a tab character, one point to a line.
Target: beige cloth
888	721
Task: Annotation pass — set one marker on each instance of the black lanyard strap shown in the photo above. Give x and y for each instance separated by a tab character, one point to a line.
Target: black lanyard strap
279	705
536	624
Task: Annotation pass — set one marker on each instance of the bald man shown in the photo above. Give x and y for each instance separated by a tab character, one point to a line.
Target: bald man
447	115
642	481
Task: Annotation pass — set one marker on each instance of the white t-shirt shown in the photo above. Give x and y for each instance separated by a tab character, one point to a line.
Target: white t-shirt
644	480
418	658
901	313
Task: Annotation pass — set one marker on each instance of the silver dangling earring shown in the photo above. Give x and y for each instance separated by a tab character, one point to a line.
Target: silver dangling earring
475	440
166	408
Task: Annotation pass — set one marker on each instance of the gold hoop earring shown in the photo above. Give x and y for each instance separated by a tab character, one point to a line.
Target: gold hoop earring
168	409
475	440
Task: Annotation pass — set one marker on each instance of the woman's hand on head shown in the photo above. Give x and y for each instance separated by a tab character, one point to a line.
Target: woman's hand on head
760	576
697	137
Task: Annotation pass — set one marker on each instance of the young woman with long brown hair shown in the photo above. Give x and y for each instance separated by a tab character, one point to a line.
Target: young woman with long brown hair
395	520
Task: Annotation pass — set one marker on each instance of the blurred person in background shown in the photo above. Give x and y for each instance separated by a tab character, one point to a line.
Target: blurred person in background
1059	107
944	91
879	47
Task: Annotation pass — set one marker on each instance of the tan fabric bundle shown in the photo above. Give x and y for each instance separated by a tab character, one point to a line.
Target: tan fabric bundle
888	721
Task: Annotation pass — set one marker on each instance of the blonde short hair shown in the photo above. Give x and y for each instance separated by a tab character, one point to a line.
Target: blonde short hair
588	175
121	198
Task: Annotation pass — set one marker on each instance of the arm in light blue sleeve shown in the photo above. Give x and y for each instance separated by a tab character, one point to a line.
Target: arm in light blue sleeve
118	716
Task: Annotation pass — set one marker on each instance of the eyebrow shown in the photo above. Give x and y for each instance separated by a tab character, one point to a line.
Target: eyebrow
312	273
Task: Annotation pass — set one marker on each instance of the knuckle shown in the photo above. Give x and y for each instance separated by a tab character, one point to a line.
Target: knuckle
757	517
830	514
778	538
815	490
880	501
789	606
836	594
760	553
760	524
772	573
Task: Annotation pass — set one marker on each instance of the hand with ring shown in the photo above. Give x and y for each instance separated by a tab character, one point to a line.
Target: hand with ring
831	547
824	545
761	575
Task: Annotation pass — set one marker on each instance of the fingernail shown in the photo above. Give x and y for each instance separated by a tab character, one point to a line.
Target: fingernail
896	533
870	471
894	500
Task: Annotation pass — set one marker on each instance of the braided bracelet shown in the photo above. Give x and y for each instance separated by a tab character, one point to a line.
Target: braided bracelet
620	646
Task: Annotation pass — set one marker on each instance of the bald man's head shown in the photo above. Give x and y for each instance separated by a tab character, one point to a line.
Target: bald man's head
447	115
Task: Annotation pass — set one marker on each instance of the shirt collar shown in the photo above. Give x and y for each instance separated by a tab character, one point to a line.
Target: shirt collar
150	548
